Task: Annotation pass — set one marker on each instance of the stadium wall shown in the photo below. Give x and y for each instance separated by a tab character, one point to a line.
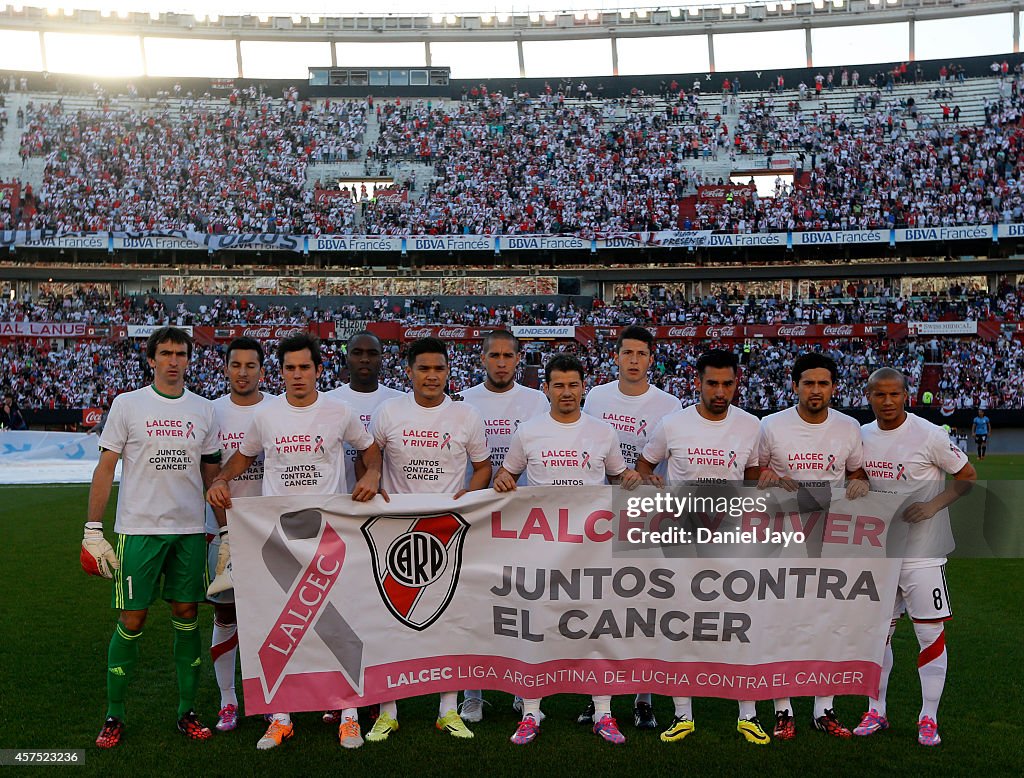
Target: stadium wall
614	86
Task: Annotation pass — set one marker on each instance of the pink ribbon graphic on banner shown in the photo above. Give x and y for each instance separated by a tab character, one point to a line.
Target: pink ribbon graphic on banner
304	605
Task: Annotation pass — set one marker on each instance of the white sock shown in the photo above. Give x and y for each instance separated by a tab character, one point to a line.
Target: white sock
821	704
602	706
684	707
878	705
350	713
449	701
784	704
473	694
532	708
223	651
390	708
282	718
643	697
748	709
931	667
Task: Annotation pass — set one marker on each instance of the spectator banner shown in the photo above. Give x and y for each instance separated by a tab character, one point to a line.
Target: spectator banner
145	330
345	604
662	239
942	328
11	192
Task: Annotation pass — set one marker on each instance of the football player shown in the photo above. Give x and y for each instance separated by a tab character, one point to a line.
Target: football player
166	437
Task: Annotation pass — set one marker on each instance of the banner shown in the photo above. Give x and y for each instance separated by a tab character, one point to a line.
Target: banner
718	195
588	334
392	196
326	197
400	244
839	237
942	328
44	329
344	604
30	446
11	191
541	332
442	331
145	330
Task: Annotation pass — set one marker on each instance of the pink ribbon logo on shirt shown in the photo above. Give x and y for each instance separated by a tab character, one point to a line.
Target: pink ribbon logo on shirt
190	430
831	462
642	428
732	459
318	444
901	472
446	441
586	461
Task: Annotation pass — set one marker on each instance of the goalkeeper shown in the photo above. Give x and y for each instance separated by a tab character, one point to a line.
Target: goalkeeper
166	438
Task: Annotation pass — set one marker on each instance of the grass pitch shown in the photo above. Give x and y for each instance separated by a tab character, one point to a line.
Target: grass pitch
57	623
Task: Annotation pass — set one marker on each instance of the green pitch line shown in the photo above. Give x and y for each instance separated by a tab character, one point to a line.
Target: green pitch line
57	624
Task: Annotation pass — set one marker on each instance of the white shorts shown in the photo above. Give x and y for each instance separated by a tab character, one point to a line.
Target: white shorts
923	595
227	597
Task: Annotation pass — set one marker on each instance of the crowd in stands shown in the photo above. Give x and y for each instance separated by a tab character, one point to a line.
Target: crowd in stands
209	167
974	373
986	375
519	163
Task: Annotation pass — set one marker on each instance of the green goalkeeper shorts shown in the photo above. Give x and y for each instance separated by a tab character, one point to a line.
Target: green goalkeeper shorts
178	561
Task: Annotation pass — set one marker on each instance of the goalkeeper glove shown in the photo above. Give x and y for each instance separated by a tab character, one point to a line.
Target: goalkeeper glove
223	553
97	557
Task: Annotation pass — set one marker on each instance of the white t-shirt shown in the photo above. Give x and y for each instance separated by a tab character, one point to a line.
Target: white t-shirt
697	449
428	449
161	441
914	459
503	412
632	418
364	404
810	454
303	447
232	422
551	453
